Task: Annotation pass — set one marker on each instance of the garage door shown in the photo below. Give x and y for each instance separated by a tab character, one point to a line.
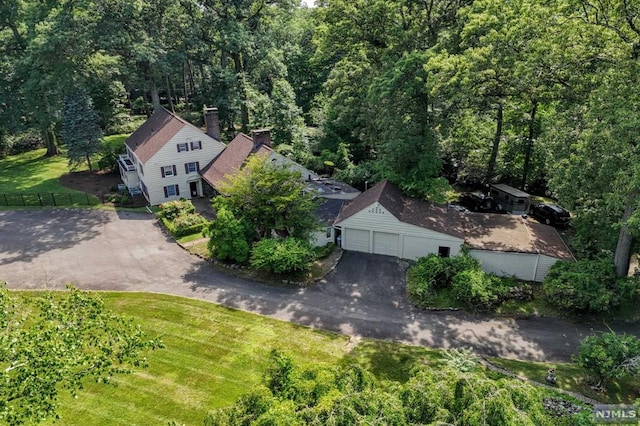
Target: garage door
415	247
385	243
356	240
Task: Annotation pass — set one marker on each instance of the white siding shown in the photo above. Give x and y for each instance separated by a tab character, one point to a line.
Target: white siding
280	160
376	218
168	155
355	239
386	243
506	264
320	238
544	263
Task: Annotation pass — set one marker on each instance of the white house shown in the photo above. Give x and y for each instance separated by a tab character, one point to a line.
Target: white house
165	155
383	221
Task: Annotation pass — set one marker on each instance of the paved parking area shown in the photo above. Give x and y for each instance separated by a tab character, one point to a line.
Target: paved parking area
364	296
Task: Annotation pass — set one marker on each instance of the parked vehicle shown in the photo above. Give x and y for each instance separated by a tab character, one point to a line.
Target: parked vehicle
478	202
551	214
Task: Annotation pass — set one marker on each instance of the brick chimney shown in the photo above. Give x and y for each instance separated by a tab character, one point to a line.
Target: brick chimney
261	137
212	122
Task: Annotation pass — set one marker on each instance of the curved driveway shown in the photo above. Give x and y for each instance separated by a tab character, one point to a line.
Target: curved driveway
364	296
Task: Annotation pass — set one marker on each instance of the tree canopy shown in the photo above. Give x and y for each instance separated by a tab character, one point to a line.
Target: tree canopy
424	94
53	343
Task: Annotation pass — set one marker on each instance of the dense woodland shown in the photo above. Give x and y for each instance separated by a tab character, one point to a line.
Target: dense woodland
542	95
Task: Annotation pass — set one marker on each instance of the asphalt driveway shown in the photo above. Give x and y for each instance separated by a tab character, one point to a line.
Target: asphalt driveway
364	296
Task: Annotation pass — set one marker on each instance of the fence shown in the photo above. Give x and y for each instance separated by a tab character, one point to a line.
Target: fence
41	199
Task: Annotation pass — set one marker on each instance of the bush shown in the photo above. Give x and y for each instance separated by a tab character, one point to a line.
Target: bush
478	290
189	221
23	142
324	251
227	237
173	209
434	272
610	356
282	256
586	285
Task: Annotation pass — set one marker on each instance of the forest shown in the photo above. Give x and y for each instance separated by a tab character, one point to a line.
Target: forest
541	95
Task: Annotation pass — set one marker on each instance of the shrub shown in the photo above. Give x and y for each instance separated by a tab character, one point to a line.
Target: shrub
586	285
173	209
24	142
189	221
610	356
478	290
324	251
227	237
282	256
434	272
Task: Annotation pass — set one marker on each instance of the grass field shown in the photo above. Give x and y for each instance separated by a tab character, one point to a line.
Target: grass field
214	354
33	172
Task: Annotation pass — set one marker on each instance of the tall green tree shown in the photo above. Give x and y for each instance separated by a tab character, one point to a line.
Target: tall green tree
80	128
269	198
52	343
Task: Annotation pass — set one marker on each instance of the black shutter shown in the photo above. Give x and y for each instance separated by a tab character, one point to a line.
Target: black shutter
166	193
198	166
162	171
186	168
177	189
178	147
175	172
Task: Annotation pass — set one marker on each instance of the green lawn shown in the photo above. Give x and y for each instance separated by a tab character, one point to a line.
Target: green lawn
214	354
33	172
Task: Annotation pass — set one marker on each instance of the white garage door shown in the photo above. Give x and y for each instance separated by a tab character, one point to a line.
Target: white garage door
356	240
385	243
415	247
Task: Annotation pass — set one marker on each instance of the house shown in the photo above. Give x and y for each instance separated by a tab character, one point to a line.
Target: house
326	213
511	200
164	156
242	146
383	221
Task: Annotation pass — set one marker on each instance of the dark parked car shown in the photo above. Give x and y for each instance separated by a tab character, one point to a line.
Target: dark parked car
478	202
551	214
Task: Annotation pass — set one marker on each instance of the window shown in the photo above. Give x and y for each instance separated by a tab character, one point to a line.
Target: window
328	233
168	171
183	147
141	169
192	167
444	251
196	145
171	191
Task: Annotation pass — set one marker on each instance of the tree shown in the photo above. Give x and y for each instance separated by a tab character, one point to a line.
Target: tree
227	237
586	285
610	356
80	128
268	198
55	341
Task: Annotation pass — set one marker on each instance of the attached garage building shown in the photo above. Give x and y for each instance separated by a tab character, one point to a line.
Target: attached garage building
383	221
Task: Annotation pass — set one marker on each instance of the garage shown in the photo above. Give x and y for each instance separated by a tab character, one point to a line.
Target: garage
385	243
356	240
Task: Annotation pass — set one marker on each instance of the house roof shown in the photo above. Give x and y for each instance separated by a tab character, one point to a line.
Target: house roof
409	210
510	190
328	210
231	159
484	231
159	129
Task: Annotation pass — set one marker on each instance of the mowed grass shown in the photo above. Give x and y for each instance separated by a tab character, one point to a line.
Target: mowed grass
33	172
212	355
